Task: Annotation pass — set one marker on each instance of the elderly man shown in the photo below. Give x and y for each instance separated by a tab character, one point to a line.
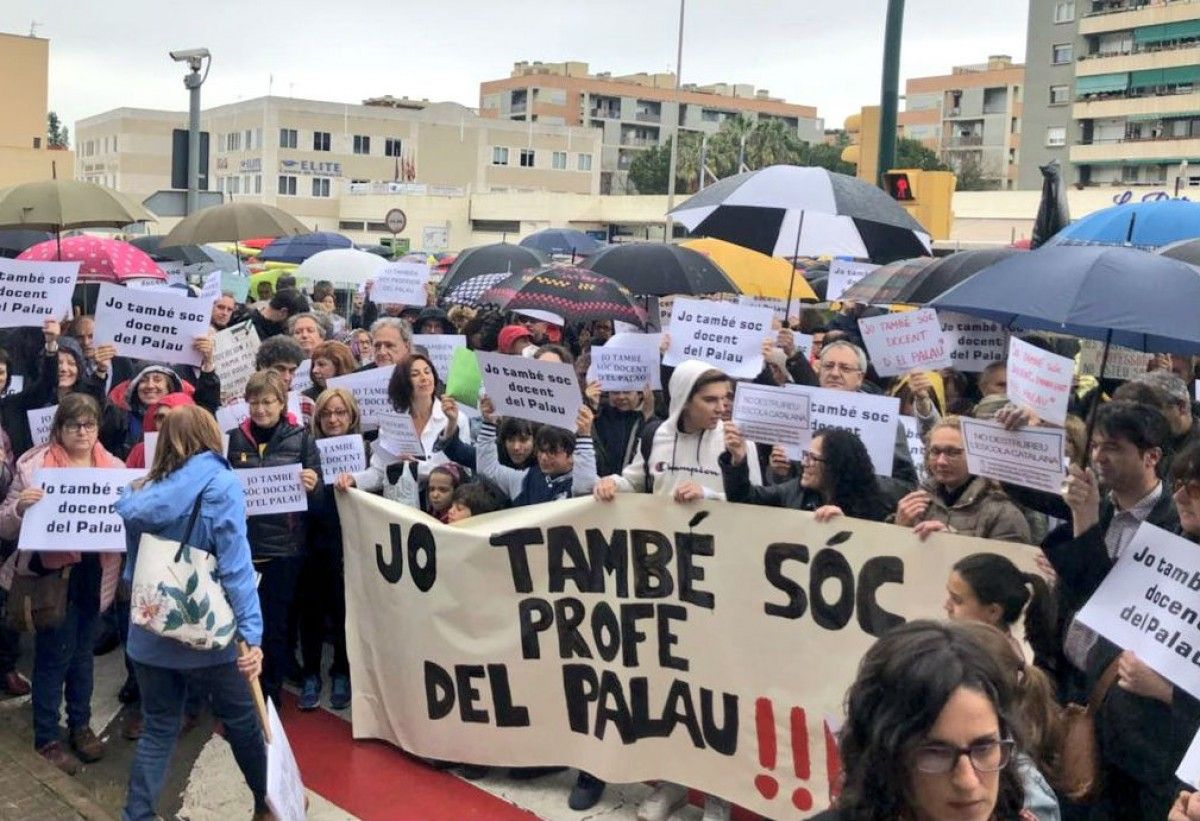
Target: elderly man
222	311
1177	409
842	367
391	340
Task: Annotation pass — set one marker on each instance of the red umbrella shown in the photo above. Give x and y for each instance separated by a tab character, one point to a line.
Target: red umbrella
257	242
102	259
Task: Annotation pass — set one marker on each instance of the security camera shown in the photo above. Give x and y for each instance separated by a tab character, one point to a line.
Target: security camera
189	54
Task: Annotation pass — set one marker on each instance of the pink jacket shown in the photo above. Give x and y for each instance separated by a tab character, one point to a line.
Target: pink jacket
10	526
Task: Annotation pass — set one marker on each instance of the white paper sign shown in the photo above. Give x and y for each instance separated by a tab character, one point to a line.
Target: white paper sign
150	447
157	325
235	413
400	283
778	306
16	384
726	335
341	454
40	420
173	268
1148	601
398	435
285	790
619	368
302	378
440	348
873	418
545	392
234	350
916	445
210	288
898	343
1189	768
1030	457
370	392
842	274
1039	380
974	343
77	511
1123	363
773	416
32	291
273	490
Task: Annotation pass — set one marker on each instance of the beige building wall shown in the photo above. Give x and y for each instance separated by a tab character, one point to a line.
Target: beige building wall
25	155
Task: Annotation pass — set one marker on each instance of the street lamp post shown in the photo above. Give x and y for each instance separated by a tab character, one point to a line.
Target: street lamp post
196	58
674	161
890	91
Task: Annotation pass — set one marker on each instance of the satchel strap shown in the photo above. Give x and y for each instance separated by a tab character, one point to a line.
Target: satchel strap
191	525
1100	691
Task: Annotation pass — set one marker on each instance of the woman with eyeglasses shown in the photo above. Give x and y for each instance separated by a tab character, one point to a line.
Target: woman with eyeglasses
930	732
62	658
953	500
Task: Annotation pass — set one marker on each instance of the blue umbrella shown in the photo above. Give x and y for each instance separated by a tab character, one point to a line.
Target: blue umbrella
302	246
1140	224
561	241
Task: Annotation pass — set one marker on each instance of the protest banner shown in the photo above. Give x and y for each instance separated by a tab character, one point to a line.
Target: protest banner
286	796
899	343
974	343
628	639
234	349
842	274
238	411
1148	604
341	454
916	444
873	418
1123	363
1039	380
33	291
157	325
370	392
625	368
440	348
1030	457
302	378
544	392
773	416
40	420
77	511
272	490
726	335
398	435
400	283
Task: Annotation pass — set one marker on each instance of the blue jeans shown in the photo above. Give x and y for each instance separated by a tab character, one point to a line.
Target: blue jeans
62	660
163	696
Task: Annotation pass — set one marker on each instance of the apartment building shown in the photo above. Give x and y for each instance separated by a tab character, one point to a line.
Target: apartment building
25	153
633	111
1120	102
971	117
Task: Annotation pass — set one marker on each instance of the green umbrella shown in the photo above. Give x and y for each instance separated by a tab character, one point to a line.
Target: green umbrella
233	222
57	205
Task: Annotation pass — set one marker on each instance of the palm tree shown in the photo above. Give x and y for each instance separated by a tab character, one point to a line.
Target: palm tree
725	147
773	143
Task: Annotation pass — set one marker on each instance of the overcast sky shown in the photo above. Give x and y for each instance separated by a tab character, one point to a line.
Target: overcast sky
106	54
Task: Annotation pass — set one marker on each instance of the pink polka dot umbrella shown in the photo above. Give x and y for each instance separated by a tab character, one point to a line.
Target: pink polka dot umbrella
101	259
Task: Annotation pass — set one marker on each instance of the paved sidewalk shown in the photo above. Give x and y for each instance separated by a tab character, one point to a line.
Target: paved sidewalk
31	789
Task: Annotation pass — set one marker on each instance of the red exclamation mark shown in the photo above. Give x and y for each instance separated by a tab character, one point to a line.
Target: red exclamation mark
764	722
833	763
801	797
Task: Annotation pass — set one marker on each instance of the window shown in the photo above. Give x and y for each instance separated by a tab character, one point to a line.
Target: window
1060	95
499	155
1056	135
37	142
249	133
287	138
391	147
287	185
320	141
584	162
559	160
233	141
257	183
1061	53
362	144
527	158
1064	11
320	187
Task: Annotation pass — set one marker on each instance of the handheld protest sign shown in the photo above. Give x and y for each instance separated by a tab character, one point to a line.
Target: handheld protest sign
545	392
341	454
157	325
400	283
898	343
773	416
464	380
272	490
441	348
370	389
234	350
33	291
1039	381
872	418
726	335
77	511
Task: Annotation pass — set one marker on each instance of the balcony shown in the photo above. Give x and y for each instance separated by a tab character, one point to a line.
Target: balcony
606	113
973	141
1139	59
638	142
1125	104
517	108
648	117
1144	150
1118	15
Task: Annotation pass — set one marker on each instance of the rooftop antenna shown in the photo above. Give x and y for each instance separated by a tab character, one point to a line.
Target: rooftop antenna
33	27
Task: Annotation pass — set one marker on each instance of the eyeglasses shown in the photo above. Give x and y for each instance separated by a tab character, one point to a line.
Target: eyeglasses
951	452
985	756
831	367
329	413
80	427
809	456
1191	487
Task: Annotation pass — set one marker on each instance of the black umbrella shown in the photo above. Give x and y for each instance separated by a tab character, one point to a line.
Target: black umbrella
187	254
658	269
1186	250
1053	215
14	241
575	294
949	271
490	259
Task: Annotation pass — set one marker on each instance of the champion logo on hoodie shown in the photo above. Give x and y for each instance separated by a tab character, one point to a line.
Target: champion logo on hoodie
663	467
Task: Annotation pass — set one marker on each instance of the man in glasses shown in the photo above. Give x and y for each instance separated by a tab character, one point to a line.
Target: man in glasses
842	367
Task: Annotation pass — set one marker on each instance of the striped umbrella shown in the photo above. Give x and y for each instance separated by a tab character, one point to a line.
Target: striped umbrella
469	291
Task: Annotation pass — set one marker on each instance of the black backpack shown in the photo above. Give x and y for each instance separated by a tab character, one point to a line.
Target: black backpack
645	446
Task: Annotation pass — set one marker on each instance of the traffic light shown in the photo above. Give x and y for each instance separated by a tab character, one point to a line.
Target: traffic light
899	186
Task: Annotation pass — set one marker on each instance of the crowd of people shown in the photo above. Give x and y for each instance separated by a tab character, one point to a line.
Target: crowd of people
960	719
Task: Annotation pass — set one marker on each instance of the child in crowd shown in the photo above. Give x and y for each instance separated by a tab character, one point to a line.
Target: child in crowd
439	490
472	499
565	464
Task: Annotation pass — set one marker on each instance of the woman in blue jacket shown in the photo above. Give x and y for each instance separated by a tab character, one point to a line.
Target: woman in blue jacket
188	460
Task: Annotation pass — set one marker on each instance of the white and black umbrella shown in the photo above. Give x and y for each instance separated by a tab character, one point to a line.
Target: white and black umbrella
790	211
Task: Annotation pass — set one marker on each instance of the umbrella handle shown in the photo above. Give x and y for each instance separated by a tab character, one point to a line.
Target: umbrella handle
1095	404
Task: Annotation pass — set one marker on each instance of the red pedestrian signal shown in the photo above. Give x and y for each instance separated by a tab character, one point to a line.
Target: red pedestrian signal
899	187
